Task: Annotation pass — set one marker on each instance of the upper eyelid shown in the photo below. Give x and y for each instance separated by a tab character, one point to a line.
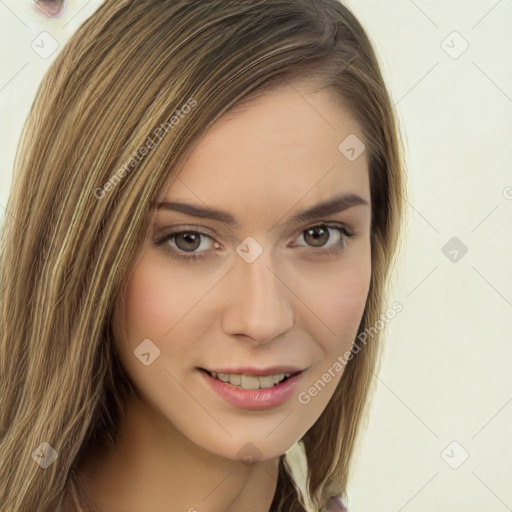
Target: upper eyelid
296	228
200	230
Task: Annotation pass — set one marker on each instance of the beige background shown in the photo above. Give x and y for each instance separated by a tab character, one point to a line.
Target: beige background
436	438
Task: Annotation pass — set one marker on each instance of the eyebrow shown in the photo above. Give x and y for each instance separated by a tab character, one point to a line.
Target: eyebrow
335	205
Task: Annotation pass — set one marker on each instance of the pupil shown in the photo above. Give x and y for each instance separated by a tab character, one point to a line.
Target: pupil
188	238
322	237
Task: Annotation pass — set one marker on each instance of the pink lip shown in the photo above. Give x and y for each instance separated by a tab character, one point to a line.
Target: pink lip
255	371
51	8
254	399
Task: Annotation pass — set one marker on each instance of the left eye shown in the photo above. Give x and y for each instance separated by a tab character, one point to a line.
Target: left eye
319	235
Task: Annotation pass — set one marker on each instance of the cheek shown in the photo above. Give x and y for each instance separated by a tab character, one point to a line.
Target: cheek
150	308
165	305
339	298
159	300
149	314
344	302
337	295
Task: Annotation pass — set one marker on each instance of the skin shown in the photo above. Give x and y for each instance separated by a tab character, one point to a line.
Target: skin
179	446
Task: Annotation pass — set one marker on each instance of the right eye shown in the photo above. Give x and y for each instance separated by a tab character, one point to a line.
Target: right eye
181	244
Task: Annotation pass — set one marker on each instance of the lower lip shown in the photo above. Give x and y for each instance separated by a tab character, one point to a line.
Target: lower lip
255	399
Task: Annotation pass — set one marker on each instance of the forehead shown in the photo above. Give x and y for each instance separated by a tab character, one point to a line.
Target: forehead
283	144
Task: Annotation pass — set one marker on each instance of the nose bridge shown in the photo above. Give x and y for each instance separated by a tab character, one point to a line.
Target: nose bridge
259	305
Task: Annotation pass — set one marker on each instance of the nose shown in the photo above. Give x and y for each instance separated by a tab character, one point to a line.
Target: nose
258	301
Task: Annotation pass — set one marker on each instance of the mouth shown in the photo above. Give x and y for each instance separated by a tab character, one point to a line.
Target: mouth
251	381
254	389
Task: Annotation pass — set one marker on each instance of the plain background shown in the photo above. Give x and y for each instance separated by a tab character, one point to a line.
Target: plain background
438	437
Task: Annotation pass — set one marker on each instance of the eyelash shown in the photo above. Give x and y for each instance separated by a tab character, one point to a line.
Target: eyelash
178	254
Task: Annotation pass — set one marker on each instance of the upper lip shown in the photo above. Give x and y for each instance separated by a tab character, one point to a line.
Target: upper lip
246	370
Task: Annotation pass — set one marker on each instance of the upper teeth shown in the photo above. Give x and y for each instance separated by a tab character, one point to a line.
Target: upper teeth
251	381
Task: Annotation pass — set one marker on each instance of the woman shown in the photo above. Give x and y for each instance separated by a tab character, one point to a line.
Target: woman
205	207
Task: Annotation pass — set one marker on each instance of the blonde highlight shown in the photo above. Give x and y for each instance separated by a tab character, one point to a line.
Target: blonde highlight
66	253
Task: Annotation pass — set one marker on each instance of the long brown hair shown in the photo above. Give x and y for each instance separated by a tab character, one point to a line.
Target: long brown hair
78	213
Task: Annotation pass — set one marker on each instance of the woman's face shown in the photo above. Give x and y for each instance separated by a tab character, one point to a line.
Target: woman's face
251	291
